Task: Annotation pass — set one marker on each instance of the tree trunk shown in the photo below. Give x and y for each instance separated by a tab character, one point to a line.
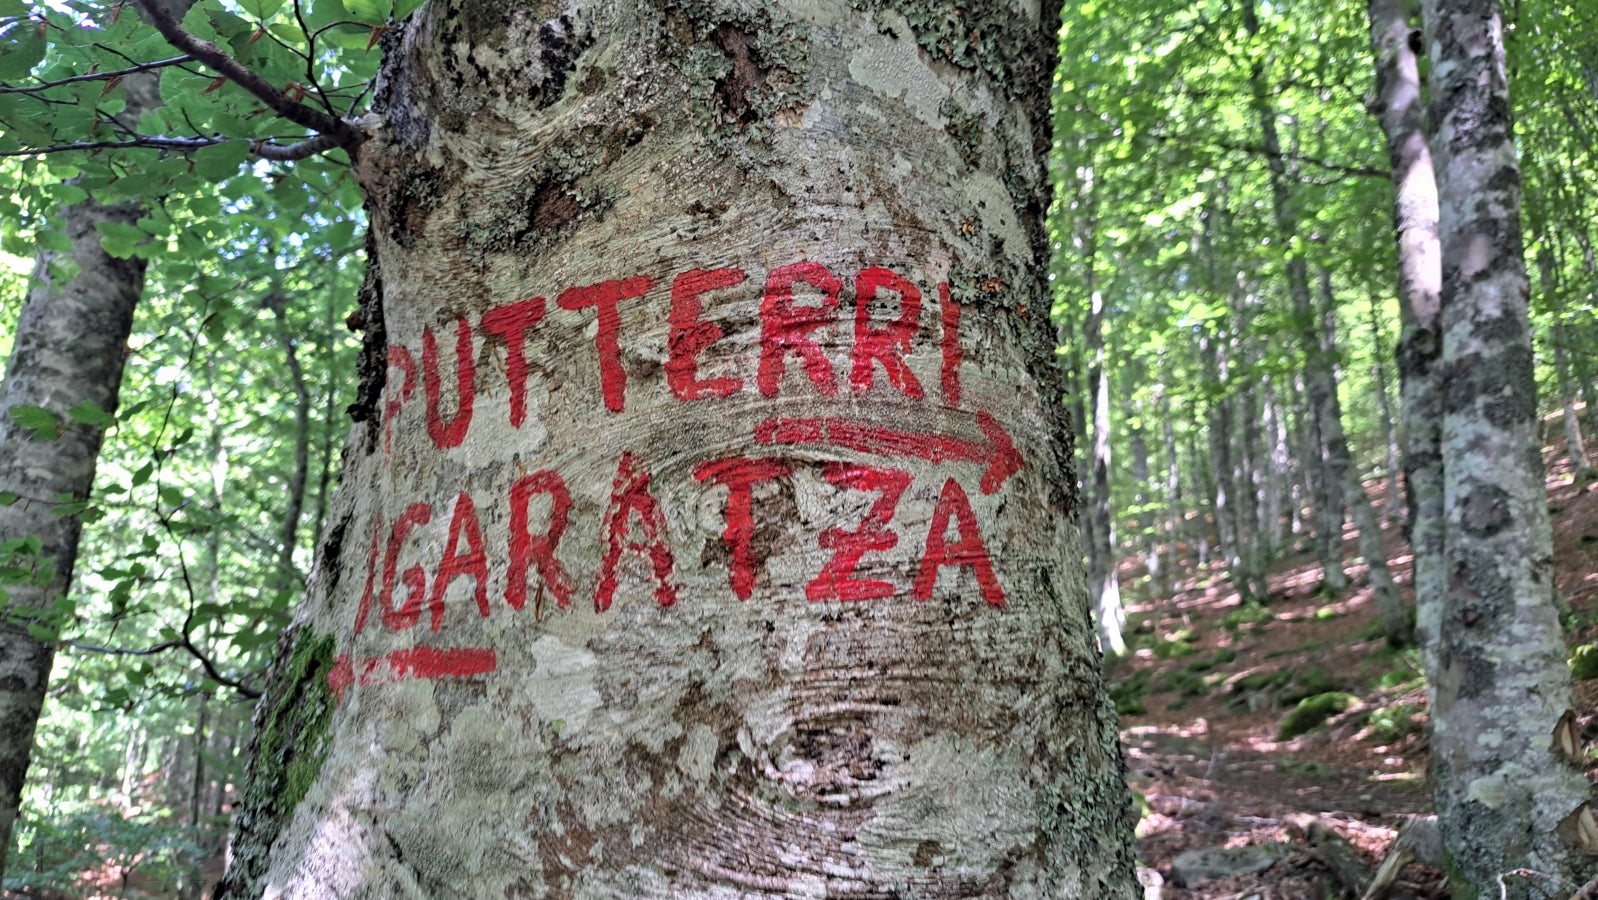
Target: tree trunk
1277	474
705	530
1505	798
1104	586
1223	482
1384	410
1398	108
1397	623
1145	520
1329	502
57	363
68	349
287	573
1175	501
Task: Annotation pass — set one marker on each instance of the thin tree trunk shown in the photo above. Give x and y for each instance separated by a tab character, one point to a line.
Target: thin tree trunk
1250	525
288	540
327	425
1384	411
1575	446
681	548
1145	520
1558	336
1397	622
1275	498
1505	797
1203	473
1302	486
1397	106
1224	489
202	734
1105	588
1318	380
57	362
1175	500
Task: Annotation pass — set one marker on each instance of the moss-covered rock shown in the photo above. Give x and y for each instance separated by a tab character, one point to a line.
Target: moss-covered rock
1584	663
1311	712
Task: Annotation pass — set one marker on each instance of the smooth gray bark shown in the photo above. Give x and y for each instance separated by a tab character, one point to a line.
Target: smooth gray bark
1104	585
70	343
1399	110
1506	798
689	642
1384	411
1175	499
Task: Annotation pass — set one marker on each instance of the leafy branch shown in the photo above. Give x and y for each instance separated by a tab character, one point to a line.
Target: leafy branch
338	132
114	75
265	149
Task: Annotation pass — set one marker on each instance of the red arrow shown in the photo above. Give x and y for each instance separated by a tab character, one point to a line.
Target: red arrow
997	452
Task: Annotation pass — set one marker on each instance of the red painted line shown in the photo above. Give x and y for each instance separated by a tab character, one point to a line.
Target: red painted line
952	352
412	662
998	452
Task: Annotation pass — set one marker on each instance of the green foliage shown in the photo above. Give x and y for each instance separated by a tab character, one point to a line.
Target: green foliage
1584	662
1128	694
1313	711
1174	648
90	844
1392	723
184	537
1249	612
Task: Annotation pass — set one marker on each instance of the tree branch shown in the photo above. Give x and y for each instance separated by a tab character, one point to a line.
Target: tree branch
264	149
182	643
1256	150
97	76
343	133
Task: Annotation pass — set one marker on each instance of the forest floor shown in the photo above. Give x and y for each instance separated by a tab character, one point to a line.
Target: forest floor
1209	682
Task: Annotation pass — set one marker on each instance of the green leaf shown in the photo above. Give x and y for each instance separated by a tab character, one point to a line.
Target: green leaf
42	422
55	240
261	9
220	161
21	48
67	194
90	414
142	474
370	12
120	239
7	498
68	510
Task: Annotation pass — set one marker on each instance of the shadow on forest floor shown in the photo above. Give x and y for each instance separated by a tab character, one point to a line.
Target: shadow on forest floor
1209	684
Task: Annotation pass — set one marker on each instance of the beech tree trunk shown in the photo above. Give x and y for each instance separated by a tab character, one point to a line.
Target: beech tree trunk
1506	797
1384	412
1104	585
56	363
705	530
69	347
1398	108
